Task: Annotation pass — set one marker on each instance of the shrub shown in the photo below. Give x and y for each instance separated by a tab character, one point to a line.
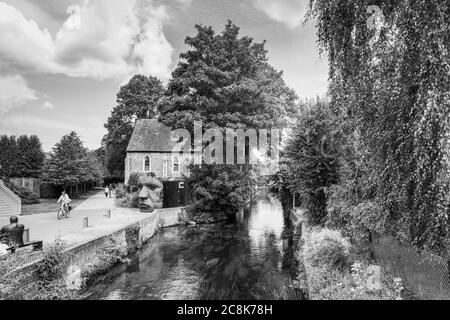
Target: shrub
107	256
334	284
368	217
133	180
27	196
121	191
130	200
325	247
53	264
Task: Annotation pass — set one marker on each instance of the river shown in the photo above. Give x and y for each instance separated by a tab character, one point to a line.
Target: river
250	259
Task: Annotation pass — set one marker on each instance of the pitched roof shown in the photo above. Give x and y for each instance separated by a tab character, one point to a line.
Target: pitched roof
150	135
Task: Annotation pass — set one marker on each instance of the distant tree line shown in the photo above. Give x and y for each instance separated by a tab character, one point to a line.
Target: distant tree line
68	165
21	157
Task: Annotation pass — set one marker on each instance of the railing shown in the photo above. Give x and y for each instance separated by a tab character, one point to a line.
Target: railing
11	198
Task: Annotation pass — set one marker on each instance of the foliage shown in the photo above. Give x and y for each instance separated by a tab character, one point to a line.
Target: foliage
50	283
132	234
392	82
22	157
129	200
312	157
225	81
135	100
368	217
326	284
27	196
71	163
327	248
108	255
121	191
52	266
221	189
133	180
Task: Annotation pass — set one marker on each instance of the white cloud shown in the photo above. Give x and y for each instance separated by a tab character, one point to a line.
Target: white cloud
48	105
100	39
14	92
289	12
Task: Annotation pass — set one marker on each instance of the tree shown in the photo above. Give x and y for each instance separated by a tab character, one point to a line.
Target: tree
391	79
312	157
135	100
225	81
30	157
9	155
65	167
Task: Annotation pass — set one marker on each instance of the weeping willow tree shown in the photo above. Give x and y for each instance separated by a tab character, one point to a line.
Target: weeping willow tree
390	75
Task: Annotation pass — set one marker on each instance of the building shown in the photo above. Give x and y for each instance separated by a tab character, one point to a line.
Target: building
150	150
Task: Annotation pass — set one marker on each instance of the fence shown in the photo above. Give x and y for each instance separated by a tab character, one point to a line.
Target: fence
425	275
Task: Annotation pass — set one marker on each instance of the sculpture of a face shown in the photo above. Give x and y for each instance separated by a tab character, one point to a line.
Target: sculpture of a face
150	193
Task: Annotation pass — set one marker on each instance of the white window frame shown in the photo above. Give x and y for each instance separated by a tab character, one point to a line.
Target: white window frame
176	172
165	170
149	163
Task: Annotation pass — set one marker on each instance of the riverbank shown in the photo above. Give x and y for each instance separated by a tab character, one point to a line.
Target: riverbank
92	251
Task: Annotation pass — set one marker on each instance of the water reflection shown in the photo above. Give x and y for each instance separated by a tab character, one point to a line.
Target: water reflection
248	260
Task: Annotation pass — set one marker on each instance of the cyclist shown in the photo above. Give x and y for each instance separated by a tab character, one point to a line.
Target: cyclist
65	200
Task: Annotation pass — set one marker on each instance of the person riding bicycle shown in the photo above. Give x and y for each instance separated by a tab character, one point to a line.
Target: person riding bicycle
65	200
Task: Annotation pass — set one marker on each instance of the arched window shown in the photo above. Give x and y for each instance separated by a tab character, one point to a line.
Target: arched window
176	165
147	164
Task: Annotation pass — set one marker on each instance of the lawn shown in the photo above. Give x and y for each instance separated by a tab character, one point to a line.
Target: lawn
50	205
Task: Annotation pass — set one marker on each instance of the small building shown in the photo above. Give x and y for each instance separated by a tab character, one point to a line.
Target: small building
150	150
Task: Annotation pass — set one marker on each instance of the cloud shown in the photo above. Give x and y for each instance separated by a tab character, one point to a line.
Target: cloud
100	39
289	12
48	105
14	92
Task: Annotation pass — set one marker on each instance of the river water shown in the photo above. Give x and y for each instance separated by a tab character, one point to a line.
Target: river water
250	259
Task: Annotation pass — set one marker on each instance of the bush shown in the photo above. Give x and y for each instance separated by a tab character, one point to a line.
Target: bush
133	180
27	196
121	191
325	247
107	256
334	284
130	200
50	283
368	217
53	264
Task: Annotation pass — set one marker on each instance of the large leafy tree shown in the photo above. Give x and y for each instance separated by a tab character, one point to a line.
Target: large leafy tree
71	163
224	81
312	156
30	157
392	78
22	157
8	156
135	100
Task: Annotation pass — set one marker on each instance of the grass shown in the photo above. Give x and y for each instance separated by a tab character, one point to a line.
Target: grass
50	205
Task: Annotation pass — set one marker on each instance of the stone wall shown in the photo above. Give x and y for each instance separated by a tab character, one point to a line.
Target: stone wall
135	163
84	254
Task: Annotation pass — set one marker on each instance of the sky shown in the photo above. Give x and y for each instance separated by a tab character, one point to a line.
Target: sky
62	62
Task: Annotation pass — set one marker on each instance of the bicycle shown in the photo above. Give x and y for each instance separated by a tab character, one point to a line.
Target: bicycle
64	211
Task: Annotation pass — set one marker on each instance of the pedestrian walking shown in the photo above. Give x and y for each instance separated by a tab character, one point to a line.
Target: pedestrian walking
106	191
110	191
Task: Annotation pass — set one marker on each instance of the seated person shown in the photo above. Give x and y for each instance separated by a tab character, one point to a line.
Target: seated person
12	234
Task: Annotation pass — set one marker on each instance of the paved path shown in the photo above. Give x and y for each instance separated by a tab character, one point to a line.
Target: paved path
47	226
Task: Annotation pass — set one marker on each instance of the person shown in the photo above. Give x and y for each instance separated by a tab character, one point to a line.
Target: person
65	200
11	234
110	191
106	191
